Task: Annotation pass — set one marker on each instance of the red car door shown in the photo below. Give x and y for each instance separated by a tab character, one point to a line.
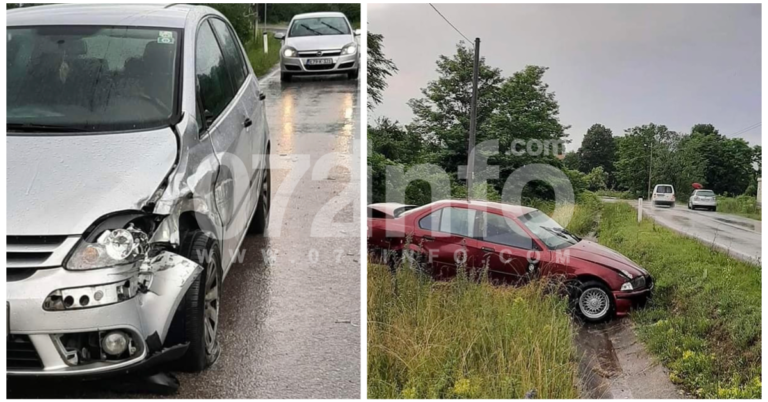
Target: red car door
506	248
445	238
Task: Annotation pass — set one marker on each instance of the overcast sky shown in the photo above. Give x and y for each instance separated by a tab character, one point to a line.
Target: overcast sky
618	65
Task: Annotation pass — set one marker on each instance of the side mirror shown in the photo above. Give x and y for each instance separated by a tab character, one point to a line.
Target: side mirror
358	32
279	35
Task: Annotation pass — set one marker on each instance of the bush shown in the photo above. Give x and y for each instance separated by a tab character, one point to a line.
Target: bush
743	205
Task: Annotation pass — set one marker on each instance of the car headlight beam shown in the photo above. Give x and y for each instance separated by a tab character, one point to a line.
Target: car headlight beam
289	52
349	49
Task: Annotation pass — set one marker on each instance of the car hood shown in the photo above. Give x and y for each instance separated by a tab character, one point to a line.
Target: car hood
319	42
61	184
601	255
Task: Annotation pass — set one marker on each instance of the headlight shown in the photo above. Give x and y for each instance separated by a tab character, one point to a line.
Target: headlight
113	247
289	52
349	49
635	284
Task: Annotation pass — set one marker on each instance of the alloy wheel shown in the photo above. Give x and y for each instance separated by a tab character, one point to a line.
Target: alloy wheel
594	303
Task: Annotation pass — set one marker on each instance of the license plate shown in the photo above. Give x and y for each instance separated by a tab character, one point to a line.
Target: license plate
319	61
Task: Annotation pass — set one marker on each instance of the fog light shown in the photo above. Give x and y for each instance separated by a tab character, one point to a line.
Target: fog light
114	343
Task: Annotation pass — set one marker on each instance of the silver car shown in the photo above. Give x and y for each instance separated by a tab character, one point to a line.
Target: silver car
703	199
319	43
137	162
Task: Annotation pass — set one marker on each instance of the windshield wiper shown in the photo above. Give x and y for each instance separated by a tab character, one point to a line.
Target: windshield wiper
42	128
310	29
555	232
565	231
332	27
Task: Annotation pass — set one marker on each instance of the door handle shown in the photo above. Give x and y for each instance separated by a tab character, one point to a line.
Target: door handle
262	96
247	122
430	238
488	249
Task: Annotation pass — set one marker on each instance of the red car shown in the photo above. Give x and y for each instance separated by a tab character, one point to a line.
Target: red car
513	242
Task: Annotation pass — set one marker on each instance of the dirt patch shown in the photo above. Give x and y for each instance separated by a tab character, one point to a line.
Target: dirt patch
613	364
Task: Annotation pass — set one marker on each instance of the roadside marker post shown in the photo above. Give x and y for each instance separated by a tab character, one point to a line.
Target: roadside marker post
639	209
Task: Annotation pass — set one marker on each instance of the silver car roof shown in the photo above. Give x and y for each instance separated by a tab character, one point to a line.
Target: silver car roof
148	15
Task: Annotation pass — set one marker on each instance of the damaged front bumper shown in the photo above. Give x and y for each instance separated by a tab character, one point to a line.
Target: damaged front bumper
46	341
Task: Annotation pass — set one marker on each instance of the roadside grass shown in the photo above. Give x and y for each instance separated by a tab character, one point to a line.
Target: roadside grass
624	195
704	322
466	339
742	205
261	62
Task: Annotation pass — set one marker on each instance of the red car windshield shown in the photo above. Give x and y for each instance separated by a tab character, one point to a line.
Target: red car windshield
549	231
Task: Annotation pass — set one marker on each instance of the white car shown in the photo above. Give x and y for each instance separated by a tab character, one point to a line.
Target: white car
703	199
319	43
663	194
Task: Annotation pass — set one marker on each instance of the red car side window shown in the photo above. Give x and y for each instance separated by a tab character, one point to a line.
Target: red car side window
431	222
502	230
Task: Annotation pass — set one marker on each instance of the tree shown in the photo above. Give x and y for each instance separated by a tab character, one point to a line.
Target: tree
571	160
442	115
238	16
379	68
526	113
596	179
597	149
634	156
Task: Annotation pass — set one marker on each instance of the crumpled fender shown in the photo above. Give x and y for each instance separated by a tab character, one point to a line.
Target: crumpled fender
167	277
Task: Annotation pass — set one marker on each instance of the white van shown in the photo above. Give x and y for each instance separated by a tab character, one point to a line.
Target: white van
663	194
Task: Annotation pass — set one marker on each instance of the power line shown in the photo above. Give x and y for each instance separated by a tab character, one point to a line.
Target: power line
748	128
449	23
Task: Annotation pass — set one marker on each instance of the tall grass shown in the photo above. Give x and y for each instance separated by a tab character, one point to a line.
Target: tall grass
260	61
743	205
704	322
466	339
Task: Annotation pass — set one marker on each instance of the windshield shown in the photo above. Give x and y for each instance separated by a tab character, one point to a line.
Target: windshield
319	26
705	193
549	231
90	78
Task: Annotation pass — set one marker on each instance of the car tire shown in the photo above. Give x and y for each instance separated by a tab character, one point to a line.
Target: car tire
714	209
585	301
285	77
689	205
352	75
197	317
260	220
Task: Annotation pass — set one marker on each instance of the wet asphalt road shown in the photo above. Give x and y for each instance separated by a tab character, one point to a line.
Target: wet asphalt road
290	312
739	237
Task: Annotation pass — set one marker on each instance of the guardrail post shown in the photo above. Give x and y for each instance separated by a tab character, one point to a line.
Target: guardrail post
639	209
266	47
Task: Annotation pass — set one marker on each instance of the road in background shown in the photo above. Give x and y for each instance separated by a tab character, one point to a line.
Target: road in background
290	313
737	236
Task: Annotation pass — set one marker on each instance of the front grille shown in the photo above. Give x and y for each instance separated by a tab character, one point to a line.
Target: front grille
21	353
37	251
323	53
317	67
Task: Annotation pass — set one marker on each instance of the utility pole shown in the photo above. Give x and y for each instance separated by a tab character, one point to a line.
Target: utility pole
650	165
473	122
